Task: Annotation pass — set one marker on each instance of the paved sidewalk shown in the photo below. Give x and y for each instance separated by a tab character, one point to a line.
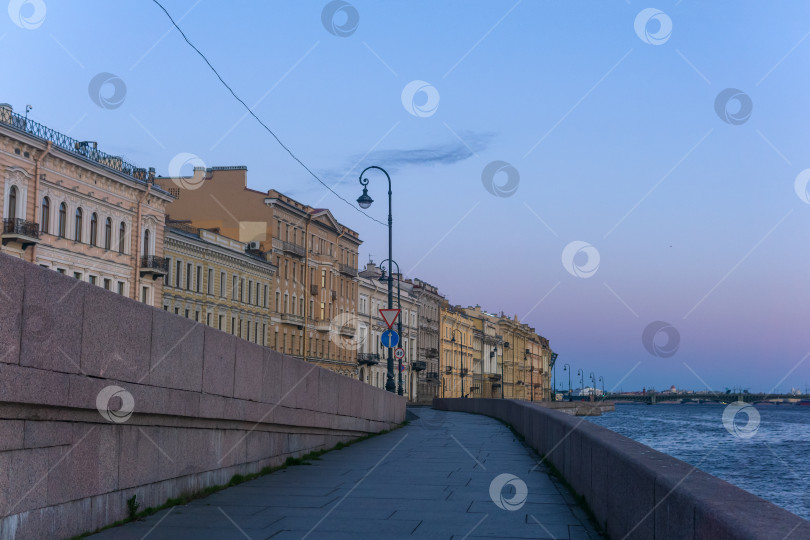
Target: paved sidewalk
430	479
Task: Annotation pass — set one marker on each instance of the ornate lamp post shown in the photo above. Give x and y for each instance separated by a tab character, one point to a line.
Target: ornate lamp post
567	368
461	343
602	380
581	380
399	319
365	201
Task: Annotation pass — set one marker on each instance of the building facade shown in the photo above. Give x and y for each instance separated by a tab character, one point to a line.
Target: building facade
487	344
526	361
372	357
313	301
84	213
217	281
456	352
430	303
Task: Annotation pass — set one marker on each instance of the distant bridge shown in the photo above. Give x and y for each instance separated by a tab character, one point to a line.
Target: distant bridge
653	398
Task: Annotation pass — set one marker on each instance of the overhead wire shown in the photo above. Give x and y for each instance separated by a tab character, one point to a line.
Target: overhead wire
259	120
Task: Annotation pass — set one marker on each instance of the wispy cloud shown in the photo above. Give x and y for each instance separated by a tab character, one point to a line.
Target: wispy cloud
435	154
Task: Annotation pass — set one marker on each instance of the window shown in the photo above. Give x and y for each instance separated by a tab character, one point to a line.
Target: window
167	279
62	220
46	215
301	306
235	287
122	237
178	274
286	303
145	295
264	299
146	243
278	300
107	233
92	280
221	320
210	281
188	276
323	311
121	287
199	279
323	278
12	203
77	232
107	283
93	229
77	275
222	285
208	319
250	292
292	306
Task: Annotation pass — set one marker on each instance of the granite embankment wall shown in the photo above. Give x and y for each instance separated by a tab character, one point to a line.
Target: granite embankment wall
205	405
634	491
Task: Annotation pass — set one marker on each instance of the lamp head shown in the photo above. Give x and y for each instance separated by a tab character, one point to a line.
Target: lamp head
364	200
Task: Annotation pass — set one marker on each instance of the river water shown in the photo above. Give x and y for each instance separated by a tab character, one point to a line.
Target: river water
768	456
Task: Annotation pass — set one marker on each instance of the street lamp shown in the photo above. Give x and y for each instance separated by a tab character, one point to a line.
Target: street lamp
593	384
531	377
567	368
581	381
461	343
365	201
399	319
602	380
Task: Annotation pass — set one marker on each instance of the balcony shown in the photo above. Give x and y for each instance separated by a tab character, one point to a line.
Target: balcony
464	372
448	370
368	359
347	270
432	375
323	326
313	290
419	365
19	230
292	249
432	353
289	318
348	330
495	377
156	266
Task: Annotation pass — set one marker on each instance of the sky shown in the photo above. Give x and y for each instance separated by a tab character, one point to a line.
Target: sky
626	179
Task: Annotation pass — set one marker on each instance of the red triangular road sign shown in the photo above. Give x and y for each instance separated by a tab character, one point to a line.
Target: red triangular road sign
389	316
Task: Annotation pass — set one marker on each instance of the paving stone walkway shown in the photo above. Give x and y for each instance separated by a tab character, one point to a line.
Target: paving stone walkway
430	479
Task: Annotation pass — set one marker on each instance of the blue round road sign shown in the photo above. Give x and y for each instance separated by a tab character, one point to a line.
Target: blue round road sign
389	339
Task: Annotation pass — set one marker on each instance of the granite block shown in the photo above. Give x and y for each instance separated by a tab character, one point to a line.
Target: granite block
88	467
272	370
12	285
20	384
53	309
248	371
41	434
218	364
116	336
11	434
176	359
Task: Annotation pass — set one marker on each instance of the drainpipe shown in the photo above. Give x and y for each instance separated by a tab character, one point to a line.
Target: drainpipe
37	161
137	280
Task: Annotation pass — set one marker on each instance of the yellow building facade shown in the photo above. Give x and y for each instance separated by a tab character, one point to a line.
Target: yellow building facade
218	281
456	351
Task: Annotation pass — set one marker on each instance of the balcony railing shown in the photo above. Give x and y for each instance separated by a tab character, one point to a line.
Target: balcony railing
448	370
495	377
432	353
19	229
295	249
369	359
150	264
348	330
292	319
313	290
419	365
85	149
347	269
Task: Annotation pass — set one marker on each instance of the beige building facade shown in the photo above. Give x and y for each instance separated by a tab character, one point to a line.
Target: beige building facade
430	305
313	301
218	281
456	351
72	208
372	357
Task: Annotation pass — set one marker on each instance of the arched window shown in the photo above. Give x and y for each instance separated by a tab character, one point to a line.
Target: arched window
146	235
12	203
62	220
107	233
77	233
94	229
122	237
46	214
